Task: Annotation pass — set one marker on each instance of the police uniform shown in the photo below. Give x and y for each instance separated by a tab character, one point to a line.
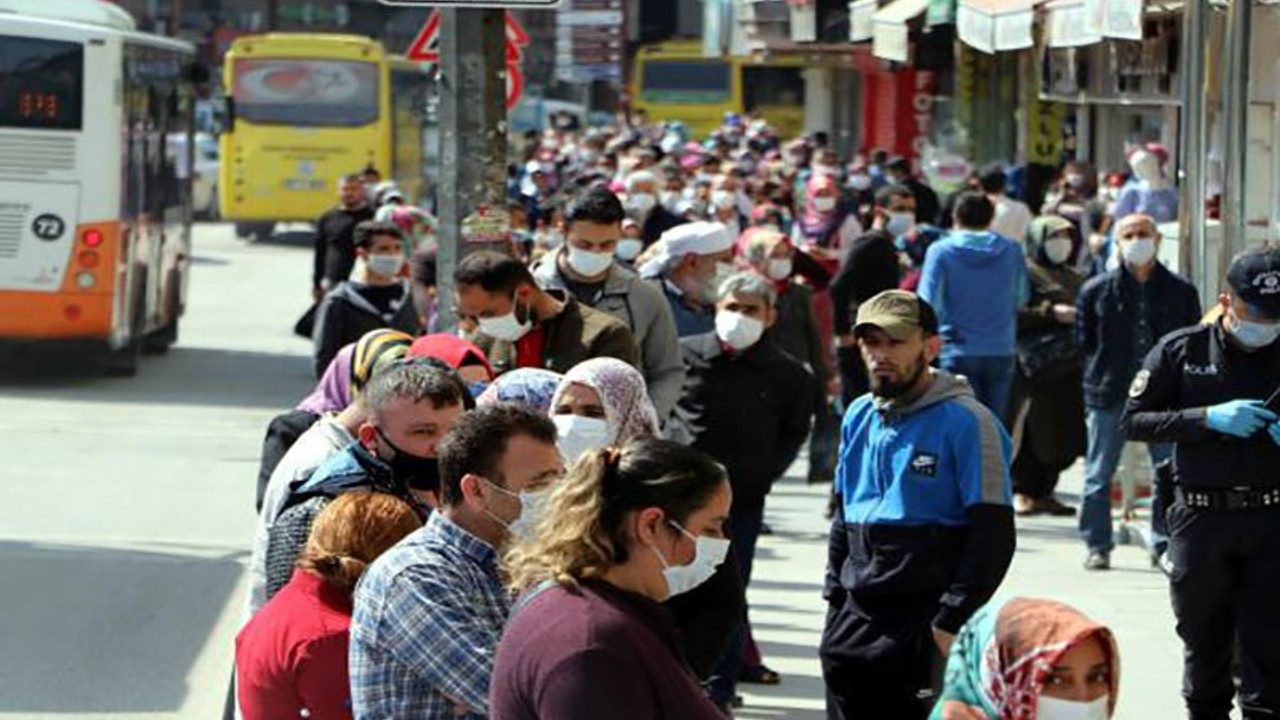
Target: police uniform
922	537
1225	522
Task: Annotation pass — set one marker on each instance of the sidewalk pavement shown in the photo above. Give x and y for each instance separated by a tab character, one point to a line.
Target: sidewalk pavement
787	609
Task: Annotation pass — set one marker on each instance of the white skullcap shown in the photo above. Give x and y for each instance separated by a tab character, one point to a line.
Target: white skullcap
695	238
640	176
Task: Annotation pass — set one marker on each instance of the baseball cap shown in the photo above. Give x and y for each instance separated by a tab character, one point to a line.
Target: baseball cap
1254	275
897	312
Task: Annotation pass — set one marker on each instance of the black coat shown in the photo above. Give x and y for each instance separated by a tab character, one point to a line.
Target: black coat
1105	317
868	267
345	316
750	411
335	247
659	221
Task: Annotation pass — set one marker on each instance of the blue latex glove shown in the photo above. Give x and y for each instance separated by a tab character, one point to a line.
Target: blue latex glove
1274	431
1241	418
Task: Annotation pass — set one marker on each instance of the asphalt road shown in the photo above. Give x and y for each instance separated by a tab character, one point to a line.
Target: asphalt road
129	502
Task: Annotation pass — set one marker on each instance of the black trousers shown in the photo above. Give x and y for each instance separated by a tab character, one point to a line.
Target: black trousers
880	668
1226	591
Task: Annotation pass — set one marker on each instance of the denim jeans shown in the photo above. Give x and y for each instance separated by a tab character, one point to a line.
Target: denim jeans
1101	459
990	376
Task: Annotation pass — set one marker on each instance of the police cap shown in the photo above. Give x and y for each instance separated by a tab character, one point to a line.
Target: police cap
1254	275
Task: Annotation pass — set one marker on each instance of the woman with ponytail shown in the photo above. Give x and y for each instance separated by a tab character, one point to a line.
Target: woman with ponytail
291	658
589	637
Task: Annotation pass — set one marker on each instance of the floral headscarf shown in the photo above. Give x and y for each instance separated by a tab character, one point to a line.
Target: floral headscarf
531	387
1002	656
627	408
817	225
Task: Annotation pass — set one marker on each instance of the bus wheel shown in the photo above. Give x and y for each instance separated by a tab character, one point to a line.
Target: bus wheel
159	342
124	361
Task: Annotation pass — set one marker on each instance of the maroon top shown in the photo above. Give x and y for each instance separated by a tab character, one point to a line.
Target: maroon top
293	654
598	652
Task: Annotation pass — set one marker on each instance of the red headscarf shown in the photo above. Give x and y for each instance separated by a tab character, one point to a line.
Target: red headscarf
451	349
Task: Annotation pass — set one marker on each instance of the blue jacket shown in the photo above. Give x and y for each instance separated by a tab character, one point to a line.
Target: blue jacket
975	281
924	523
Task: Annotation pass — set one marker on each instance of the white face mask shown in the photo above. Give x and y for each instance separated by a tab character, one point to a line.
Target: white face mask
1251	334
1057	249
385	265
1137	253
1048	708
824	204
506	327
533	507
779	269
860	181
900	223
577	435
709	554
588	264
641	202
629	249
737	330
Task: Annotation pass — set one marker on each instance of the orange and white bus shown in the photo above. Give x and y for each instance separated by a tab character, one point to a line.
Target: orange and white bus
95	189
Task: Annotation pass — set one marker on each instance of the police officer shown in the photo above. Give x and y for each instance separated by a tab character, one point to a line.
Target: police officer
1203	388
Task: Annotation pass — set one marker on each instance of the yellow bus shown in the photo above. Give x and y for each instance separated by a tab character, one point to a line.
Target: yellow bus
675	81
305	109
96	123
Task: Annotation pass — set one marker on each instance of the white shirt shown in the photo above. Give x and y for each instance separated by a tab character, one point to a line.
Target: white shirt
1012	219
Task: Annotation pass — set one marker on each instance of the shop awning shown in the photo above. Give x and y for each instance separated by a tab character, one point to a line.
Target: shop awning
1067	25
995	25
891	35
861	20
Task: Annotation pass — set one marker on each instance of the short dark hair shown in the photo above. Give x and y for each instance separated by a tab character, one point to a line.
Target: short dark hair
899	164
493	272
422	266
596	205
416	380
974	211
366	231
478	441
993	178
889	192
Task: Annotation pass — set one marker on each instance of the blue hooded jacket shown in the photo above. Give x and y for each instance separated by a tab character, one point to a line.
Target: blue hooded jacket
975	281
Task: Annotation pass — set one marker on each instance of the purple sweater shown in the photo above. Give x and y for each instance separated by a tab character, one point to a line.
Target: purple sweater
596	653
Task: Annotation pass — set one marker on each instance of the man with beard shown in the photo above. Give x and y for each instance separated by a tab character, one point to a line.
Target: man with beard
923	532
408	408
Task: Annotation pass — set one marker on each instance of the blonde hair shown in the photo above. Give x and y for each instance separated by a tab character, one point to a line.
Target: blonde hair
351	532
582	534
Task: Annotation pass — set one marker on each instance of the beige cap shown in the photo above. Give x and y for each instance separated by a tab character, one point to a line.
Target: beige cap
897	312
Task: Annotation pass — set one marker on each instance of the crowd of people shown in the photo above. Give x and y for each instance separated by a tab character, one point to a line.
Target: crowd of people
553	511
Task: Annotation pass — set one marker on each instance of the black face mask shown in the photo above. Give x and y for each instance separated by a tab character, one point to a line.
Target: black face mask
413	471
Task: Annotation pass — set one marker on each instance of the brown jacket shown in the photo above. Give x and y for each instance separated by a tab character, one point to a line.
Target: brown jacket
576	334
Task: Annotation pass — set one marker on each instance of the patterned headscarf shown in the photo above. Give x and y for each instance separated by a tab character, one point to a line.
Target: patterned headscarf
531	387
1002	656
627	408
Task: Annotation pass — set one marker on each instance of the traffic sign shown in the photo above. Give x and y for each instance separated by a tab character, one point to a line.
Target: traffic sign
426	48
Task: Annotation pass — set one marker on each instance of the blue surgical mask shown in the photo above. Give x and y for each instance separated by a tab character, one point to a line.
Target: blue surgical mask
1253	335
900	223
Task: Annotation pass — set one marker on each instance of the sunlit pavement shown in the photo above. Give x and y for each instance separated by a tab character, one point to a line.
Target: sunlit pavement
128	512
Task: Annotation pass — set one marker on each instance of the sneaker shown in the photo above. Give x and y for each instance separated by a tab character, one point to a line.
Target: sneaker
1055	507
1098	561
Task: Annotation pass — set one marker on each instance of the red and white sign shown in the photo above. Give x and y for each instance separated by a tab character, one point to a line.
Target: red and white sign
426	48
896	112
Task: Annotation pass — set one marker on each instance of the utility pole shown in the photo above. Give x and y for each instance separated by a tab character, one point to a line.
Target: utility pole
473	136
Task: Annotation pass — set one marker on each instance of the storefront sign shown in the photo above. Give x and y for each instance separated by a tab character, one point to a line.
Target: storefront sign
897	112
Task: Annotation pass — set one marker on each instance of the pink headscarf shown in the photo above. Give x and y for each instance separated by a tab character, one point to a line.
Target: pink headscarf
627	409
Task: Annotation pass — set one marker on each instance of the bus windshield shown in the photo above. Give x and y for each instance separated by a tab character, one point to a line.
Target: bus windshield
691	82
41	83
282	91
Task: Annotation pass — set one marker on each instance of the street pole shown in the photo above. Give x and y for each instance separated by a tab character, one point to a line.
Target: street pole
473	135
1235	101
1192	253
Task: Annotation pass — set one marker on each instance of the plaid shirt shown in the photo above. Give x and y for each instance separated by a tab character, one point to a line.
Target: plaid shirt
428	617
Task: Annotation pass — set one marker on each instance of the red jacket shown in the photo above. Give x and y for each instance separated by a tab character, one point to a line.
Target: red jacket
293	654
